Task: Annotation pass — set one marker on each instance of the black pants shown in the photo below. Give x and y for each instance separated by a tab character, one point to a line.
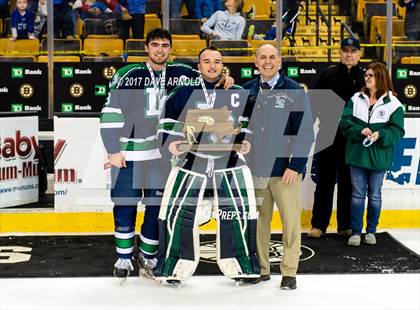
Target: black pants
136	24
332	169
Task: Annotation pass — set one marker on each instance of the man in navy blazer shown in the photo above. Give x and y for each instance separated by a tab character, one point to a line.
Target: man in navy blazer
282	135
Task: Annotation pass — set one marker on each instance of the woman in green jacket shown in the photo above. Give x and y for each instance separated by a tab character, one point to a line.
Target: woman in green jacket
373	123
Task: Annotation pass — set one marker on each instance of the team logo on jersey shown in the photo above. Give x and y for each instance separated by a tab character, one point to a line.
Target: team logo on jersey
76	90
410	91
281	99
26	91
108	72
381	114
208	252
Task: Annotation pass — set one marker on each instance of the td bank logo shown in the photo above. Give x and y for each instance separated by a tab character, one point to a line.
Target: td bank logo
246	73
100	90
402	74
67	107
17	107
293	72
17	73
67	72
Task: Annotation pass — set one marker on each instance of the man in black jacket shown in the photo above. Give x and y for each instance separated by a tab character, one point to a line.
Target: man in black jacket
344	79
281	123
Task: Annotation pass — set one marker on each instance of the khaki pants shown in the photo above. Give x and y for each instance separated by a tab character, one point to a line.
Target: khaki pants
287	199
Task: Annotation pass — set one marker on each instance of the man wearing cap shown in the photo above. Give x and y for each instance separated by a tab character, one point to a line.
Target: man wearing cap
345	79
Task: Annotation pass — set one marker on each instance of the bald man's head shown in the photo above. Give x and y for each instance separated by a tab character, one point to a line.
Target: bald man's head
268	61
269	47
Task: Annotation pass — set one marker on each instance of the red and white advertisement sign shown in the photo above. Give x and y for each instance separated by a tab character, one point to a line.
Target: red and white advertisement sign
18	160
81	178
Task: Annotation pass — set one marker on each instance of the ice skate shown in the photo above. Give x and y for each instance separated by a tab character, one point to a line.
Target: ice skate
122	269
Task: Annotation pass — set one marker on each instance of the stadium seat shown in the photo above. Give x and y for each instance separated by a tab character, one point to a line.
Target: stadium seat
136	59
150	16
374	25
99	47
21	47
257	43
187	47
73	58
238	59
262	8
415	60
261	26
185	37
62	46
135	47
185	26
232	47
397	30
79	27
96	26
150	24
377	9
17	59
103	59
405	49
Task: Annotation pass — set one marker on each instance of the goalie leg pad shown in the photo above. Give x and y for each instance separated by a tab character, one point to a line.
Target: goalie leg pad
236	225
178	216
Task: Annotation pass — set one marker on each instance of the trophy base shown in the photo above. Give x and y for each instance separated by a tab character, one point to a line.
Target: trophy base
217	147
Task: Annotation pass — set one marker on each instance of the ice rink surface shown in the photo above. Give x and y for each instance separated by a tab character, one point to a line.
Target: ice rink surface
347	291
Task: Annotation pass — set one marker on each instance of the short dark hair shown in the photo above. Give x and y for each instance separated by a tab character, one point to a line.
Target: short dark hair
209	48
158	33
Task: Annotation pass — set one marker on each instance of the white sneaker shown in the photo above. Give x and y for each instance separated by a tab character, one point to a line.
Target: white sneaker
370	239
354	240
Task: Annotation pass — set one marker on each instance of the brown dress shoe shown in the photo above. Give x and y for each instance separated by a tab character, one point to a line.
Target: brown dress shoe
315	233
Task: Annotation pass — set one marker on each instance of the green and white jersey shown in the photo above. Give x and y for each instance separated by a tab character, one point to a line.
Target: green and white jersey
133	107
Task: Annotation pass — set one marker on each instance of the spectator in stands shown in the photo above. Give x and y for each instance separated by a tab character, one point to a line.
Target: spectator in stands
226	25
41	19
22	21
136	9
176	6
370	146
203	9
63	20
100	10
412	19
344	79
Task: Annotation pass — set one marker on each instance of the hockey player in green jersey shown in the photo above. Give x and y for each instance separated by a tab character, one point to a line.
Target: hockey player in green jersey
219	178
128	129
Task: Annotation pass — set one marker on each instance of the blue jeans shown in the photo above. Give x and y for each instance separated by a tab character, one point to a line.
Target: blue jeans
365	181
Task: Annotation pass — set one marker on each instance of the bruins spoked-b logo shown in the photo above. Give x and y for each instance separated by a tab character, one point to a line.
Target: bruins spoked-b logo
208	252
108	72
76	90
410	91
26	91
